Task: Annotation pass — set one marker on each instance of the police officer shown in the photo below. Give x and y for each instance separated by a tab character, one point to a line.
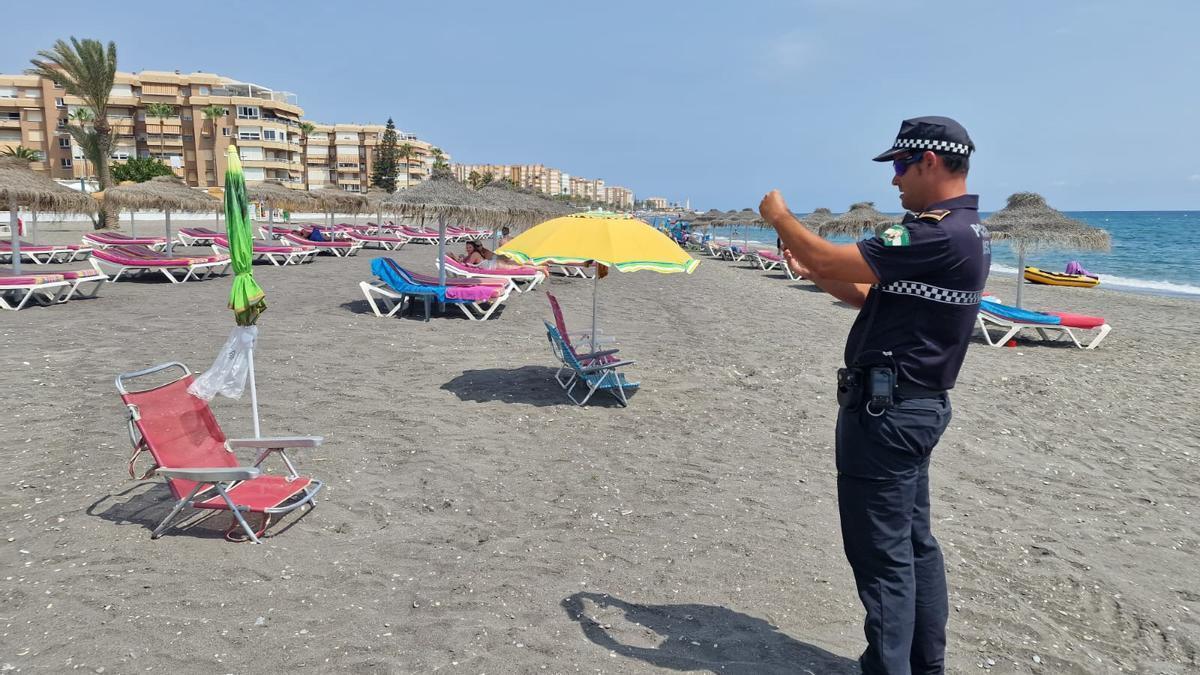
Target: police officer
918	286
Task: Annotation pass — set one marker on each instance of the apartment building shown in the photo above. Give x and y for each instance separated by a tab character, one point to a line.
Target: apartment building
262	122
657	203
550	181
342	156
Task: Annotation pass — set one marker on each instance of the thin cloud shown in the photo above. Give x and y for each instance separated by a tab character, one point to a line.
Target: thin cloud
789	54
1195	178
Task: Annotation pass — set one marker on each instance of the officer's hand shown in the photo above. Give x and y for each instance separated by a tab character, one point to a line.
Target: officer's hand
795	266
773	207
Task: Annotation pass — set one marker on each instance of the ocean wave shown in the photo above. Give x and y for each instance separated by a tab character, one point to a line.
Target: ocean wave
1128	283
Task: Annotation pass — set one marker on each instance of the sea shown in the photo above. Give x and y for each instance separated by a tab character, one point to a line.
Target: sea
1152	251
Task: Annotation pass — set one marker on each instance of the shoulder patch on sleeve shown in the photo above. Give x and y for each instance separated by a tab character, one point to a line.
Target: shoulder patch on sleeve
934	216
896	235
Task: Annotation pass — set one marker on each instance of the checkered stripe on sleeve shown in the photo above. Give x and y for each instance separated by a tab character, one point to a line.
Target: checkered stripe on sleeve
935	293
936	146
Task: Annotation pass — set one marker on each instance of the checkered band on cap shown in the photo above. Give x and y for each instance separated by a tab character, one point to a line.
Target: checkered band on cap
936	146
935	293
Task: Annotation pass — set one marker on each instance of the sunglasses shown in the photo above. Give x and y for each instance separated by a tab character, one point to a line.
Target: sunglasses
901	165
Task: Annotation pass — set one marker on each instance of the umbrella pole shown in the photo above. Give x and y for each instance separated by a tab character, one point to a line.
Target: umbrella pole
253	394
441	250
1020	273
168	229
33	228
595	291
13	232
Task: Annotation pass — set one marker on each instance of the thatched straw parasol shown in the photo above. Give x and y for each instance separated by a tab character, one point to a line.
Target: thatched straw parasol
332	201
21	186
861	216
445	199
524	208
818	217
167	193
1030	223
708	218
278	196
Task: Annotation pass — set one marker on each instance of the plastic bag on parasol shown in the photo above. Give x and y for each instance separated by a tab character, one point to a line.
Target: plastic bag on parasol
228	373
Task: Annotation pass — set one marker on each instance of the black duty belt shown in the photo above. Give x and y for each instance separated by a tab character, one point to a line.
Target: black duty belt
909	390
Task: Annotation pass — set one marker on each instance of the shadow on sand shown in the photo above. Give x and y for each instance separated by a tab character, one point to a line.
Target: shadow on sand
147	503
695	637
533	385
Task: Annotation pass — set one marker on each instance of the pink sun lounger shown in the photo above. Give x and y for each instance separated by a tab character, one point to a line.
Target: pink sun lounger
340	249
522	278
383	241
197	236
16	291
277	255
102	240
134	260
41	254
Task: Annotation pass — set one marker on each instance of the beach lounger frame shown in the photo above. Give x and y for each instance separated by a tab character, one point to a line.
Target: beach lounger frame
224	481
1014	328
48	292
192	270
393	242
593	372
378	293
765	263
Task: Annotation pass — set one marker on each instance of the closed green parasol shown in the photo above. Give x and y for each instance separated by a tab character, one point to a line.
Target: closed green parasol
234	366
246	298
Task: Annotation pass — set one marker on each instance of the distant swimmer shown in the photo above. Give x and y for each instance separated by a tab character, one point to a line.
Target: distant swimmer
917	286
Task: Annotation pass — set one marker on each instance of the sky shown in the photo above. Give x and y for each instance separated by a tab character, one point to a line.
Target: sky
1091	103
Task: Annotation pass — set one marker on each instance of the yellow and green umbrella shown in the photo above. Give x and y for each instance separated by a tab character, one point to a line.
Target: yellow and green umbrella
610	239
246	298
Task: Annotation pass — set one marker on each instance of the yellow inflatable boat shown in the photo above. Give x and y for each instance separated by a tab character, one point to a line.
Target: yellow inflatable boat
1037	276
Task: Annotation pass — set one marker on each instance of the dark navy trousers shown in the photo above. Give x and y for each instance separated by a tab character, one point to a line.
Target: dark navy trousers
883	499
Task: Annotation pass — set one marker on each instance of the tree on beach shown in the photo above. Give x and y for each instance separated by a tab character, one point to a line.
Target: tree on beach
405	152
86	69
161	111
212	113
22	152
306	129
140	170
387	158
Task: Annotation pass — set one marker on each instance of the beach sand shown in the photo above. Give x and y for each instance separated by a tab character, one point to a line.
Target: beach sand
475	521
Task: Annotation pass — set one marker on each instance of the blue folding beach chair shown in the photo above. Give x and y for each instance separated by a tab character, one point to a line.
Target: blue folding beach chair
595	372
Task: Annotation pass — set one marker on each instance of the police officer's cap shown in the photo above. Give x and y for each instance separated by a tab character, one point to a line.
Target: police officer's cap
939	134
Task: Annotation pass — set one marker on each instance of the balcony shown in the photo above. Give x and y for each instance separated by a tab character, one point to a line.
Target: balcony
10	123
156	140
317	159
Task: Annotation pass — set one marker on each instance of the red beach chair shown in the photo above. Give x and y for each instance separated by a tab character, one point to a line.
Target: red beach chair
198	462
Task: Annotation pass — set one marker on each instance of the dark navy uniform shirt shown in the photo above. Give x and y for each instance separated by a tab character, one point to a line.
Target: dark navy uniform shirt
931	268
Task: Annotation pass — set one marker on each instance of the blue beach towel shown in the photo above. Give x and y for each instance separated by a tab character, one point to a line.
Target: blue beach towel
1018	315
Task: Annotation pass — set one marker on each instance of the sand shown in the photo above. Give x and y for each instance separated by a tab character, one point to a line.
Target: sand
475	521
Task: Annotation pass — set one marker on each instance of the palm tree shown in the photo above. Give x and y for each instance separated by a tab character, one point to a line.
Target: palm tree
306	128
22	152
85	69
405	152
83	116
440	168
162	111
212	113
